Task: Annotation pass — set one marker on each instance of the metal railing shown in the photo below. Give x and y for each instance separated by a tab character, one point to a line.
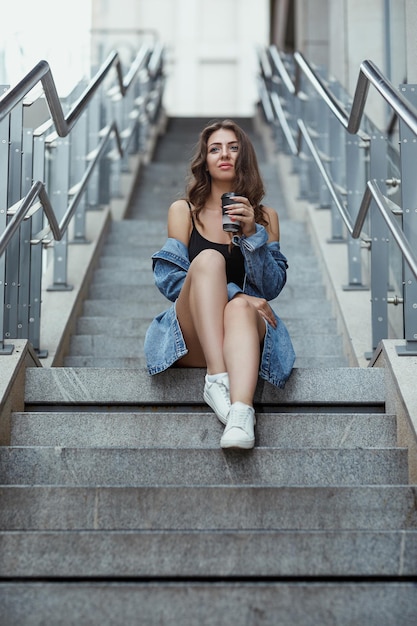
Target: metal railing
55	171
352	168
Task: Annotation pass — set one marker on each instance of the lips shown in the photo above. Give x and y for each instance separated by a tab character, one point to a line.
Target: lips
225	166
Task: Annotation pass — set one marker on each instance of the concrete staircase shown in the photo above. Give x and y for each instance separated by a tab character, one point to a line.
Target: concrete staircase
119	507
123	298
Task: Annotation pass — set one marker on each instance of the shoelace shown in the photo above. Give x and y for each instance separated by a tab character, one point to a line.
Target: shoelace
223	388
238	419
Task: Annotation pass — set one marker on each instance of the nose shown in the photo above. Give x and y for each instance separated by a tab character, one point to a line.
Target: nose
225	151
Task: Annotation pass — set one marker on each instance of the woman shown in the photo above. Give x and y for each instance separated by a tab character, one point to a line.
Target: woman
220	284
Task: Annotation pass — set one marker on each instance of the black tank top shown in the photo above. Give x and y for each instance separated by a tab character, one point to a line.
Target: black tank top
235	268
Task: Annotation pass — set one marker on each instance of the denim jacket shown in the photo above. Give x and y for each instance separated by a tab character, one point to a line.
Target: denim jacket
265	276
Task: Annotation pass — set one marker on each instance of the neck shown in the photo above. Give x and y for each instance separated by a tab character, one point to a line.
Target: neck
217	190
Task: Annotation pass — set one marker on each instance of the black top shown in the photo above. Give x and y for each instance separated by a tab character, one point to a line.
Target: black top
235	268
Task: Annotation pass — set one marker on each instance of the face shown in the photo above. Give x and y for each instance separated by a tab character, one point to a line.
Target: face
222	151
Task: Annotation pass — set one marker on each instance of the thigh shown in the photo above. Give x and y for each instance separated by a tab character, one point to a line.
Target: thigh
195	356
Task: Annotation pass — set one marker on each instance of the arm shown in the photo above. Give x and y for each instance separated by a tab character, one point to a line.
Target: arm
170	264
170	267
179	221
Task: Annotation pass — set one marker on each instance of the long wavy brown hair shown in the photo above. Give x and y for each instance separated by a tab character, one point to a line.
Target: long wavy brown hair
248	179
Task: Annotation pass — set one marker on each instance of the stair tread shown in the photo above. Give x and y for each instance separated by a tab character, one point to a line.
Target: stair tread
131	344
302	361
188	465
208	507
262	554
200	429
262	603
347	385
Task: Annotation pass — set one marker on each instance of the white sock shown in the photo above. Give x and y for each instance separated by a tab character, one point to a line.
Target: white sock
211	378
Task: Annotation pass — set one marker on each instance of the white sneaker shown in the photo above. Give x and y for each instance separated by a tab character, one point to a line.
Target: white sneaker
239	431
217	396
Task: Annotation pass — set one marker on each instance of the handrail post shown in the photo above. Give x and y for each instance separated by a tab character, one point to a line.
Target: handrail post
13	251
302	111
39	167
337	163
78	165
356	152
93	128
323	144
4	168
408	152
58	190
379	233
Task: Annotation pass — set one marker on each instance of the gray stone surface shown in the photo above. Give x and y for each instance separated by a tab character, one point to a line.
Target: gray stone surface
208	508
200	429
209	603
101	345
229	554
124	277
181	385
191	466
108	361
118	475
137	326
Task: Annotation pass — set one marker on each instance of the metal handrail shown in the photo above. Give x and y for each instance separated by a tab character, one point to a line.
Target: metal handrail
370	74
351	121
42	73
101	119
282	70
63	124
323	171
38	190
324	92
373	192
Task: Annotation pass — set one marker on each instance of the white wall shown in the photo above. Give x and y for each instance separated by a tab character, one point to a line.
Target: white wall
211	59
40	30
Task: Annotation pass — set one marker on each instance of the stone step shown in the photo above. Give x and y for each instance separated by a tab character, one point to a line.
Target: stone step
316	361
312	387
209	554
200	429
148	301
167	603
300	258
291	229
305	362
136	240
129	346
305	269
124	326
209	466
208	508
128	285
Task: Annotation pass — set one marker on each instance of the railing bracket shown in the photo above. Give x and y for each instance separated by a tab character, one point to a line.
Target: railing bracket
410	349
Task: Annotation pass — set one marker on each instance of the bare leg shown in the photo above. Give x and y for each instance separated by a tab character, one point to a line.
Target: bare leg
244	330
200	310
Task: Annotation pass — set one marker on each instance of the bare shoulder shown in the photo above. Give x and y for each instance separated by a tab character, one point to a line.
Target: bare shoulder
179	222
273	223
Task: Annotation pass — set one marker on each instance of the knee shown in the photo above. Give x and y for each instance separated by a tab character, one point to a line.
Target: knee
208	261
239	307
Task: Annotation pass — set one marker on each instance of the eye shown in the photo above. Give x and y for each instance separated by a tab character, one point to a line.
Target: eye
214	149
234	148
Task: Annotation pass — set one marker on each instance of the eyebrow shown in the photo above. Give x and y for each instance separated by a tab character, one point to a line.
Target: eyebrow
219	143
